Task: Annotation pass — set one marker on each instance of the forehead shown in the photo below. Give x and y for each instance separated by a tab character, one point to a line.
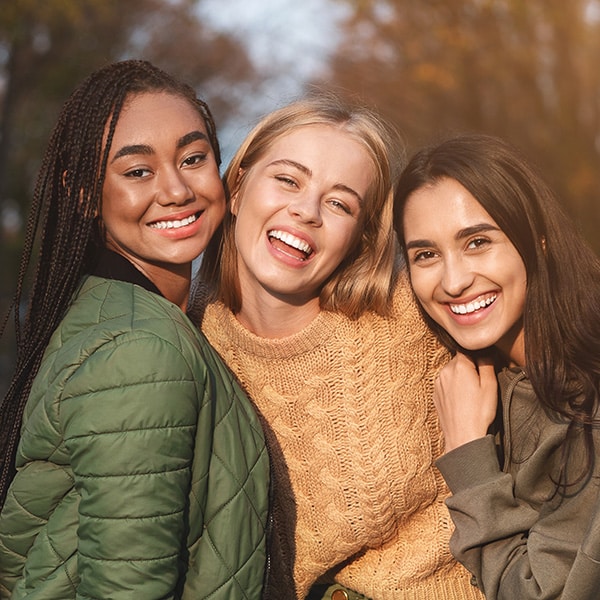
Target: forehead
443	205
328	152
306	138
154	113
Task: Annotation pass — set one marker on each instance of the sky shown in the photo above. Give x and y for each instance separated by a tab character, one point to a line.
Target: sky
289	42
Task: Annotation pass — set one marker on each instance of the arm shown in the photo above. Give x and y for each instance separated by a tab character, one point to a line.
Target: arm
519	544
491	525
129	416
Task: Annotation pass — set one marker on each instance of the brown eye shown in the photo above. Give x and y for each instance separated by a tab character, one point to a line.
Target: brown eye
195	159
138	173
478	242
423	255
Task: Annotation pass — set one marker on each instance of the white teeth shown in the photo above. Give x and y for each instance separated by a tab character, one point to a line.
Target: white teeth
174	224
291	240
471	307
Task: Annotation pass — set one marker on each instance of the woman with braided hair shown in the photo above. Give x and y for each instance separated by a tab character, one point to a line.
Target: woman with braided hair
132	465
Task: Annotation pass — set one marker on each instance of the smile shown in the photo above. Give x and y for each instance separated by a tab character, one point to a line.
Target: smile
176	224
292	241
471	307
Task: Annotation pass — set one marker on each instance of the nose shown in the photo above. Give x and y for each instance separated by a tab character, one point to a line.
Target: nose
457	276
306	207
173	188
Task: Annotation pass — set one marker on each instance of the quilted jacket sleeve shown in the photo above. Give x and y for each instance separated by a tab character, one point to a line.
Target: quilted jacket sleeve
129	415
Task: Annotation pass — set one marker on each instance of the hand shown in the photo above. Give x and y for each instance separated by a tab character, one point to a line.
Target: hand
466	398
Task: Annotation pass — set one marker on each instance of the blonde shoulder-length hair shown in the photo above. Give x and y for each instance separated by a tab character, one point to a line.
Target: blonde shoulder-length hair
364	279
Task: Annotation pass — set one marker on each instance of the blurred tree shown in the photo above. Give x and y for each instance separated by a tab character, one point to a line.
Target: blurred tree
524	70
48	46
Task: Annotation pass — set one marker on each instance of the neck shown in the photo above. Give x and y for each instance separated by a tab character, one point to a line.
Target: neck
271	317
173	281
514	349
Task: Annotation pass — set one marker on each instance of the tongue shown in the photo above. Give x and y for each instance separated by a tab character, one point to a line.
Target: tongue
289	250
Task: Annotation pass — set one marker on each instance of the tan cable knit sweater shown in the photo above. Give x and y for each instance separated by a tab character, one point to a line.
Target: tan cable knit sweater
353	434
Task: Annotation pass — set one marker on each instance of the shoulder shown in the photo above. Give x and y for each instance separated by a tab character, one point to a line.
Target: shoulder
110	308
404	337
116	334
405	317
404	303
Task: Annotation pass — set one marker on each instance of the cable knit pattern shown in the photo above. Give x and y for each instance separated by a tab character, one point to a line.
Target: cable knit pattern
348	414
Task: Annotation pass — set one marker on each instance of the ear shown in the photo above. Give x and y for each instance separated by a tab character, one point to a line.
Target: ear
233	204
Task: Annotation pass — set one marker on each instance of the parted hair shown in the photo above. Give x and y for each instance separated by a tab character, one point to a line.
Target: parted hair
561	316
364	280
62	231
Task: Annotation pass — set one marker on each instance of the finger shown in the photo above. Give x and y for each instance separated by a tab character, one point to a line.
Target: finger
485	366
464	362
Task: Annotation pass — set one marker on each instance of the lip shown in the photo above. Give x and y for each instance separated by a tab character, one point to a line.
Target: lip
472	309
177	225
180	216
296	239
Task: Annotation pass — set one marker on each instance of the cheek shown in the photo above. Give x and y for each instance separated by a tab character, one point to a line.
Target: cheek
514	272
521	291
216	185
351	241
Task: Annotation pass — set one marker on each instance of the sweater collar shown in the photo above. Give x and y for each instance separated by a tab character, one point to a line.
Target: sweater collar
111	265
319	332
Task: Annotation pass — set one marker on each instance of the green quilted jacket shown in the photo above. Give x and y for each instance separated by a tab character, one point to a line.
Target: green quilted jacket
142	468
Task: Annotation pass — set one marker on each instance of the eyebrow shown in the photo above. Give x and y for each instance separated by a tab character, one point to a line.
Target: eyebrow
338	186
460	235
147	150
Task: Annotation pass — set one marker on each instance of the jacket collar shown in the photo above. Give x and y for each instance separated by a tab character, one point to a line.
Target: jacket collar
111	265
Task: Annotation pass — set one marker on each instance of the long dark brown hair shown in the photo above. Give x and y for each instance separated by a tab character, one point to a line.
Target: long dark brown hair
61	231
561	316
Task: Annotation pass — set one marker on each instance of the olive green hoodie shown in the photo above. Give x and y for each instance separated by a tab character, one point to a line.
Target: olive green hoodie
519	538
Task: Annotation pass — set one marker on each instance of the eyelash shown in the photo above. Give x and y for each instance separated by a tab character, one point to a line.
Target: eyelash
197	158
287	180
422	255
192	160
341	205
478	242
136	173
292	183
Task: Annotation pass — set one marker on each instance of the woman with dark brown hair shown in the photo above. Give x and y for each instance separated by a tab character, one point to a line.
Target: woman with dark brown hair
512	289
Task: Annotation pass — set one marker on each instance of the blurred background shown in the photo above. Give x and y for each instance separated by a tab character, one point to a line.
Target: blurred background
527	70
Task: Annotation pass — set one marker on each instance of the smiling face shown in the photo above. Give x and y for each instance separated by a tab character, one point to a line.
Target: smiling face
162	198
466	273
298	212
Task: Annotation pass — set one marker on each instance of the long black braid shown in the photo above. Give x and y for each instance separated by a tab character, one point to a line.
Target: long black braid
62	230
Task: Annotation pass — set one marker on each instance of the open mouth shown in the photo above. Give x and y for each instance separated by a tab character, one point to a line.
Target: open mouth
471	307
175	223
290	244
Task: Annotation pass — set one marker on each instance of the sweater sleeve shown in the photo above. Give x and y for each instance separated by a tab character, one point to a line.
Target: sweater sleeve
129	415
513	550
